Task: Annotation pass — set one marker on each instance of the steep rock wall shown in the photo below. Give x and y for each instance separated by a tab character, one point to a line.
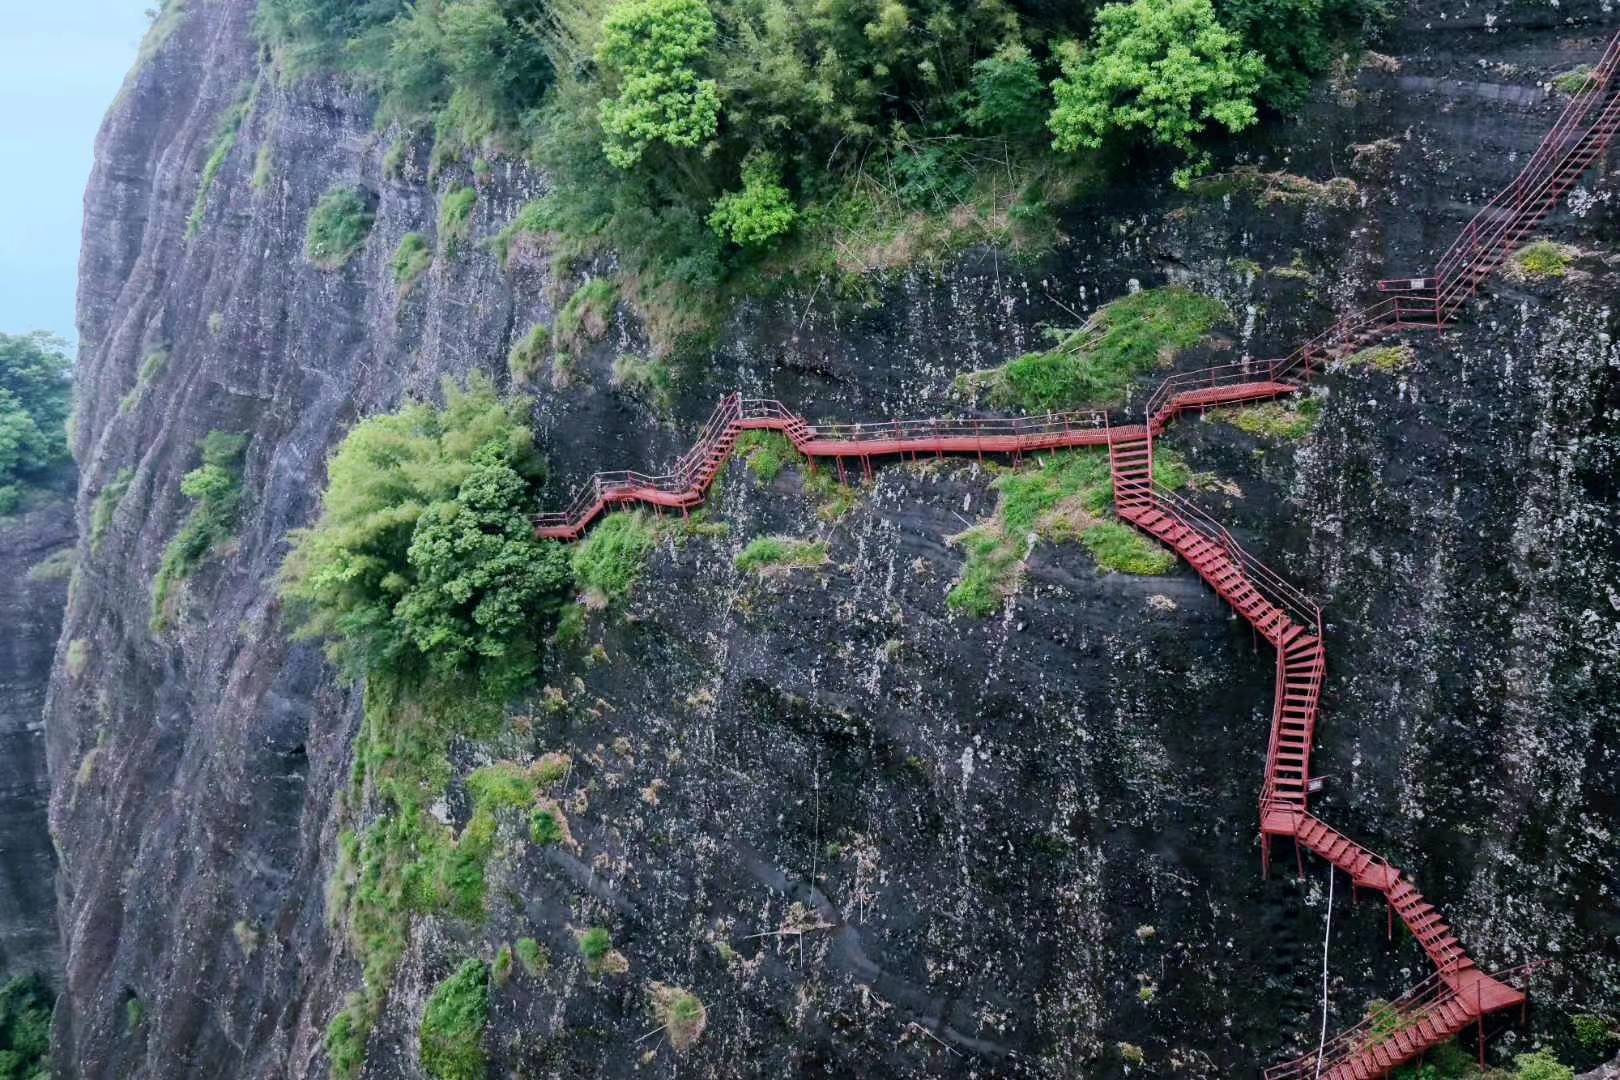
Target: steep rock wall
1013	845
33	591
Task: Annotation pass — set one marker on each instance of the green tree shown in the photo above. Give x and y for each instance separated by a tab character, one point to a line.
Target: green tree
1298	39
1160	69
482	578
422	562
1008	95
25	1028
34	403
762	211
649	47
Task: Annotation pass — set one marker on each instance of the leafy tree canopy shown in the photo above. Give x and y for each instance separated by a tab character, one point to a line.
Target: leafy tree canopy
1160	69
423	561
651	47
762	211
35	397
25	1028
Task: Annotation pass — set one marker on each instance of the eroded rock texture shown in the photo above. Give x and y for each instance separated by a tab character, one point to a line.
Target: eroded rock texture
875	838
35	549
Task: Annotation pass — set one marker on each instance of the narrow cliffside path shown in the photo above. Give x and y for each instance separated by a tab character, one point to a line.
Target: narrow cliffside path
1458	994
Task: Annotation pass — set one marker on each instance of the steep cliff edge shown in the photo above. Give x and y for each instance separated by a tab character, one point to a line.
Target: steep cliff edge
870	834
36	551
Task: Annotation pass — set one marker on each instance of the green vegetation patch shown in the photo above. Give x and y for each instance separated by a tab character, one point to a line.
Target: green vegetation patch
1541	261
585	315
230	125
1540	1065
1278	188
1117	546
156	362
25	1028
779	553
680	1013
651	381
455	218
607	562
601	958
720	148
106	505
411	260
263	167
1276	420
57	567
533	958
765	453
215	488
338	227
1574	81
1096	365
1065	497
452	1032
528	353
1388	358
1594	1032
35	398
536	219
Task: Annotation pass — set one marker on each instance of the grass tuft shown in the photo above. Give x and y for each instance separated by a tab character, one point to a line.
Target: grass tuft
524	361
585	316
455	218
680	1012
411	260
611	557
338	227
1096	365
1541	261
452	1032
768	554
1387	358
1275	420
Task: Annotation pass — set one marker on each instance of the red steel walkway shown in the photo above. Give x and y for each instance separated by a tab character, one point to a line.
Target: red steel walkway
1458	994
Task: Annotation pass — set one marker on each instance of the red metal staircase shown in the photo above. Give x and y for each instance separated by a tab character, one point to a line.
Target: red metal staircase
1458	994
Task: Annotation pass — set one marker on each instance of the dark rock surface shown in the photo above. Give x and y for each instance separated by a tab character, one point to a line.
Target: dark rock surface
34	549
874	838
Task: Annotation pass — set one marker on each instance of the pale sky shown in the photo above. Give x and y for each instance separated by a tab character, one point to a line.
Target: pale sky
61	64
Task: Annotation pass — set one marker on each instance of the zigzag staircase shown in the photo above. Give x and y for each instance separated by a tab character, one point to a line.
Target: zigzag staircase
1458	994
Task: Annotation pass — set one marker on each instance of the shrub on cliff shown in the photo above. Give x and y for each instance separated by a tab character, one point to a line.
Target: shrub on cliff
215	487
34	399
453	1023
338	227
423	562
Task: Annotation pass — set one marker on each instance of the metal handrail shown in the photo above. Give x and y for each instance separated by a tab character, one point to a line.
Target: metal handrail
1410	1009
1580	103
1487	241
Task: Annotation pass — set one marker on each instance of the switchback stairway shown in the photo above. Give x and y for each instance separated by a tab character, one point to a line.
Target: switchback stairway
1458	994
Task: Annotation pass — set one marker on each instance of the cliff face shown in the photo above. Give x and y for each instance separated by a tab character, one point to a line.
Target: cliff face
873	836
35	549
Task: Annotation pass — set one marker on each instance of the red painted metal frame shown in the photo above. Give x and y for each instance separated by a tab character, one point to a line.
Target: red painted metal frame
1458	993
